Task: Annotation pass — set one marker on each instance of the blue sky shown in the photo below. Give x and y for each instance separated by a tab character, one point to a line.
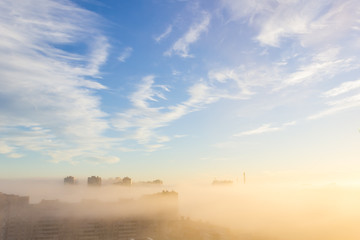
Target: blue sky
179	89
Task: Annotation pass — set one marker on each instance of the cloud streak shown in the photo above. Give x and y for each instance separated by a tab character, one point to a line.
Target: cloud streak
164	34
181	46
265	128
337	106
343	88
325	64
349	101
125	54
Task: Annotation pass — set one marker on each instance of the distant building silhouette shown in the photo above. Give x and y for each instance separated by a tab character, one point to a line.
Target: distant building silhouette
156	182
69	180
127	181
222	182
94	181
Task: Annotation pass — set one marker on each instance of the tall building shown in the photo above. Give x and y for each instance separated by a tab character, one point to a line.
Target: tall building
94	181
52	219
69	180
10	205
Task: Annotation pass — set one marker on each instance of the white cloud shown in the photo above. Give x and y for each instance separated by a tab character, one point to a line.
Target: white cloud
322	65
125	54
306	69
145	118
337	106
240	82
265	128
262	129
343	88
200	94
311	22
181	46
99	52
288	19
164	34
149	112
141	121
146	92
45	86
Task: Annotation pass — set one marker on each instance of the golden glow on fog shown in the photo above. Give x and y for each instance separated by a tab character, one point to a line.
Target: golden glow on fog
258	211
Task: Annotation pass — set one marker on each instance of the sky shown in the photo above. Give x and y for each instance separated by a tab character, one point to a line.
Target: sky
177	89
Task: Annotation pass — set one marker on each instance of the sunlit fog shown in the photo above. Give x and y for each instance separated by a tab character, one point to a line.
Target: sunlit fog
247	211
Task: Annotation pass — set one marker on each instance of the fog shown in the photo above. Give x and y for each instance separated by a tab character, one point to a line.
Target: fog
278	211
254	211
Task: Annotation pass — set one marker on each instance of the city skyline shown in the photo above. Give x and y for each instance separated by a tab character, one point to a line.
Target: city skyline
180	89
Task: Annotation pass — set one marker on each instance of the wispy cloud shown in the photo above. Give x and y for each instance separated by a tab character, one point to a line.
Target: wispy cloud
343	88
265	128
141	121
126	53
240	82
181	46
51	104
317	43
350	100
148	114
146	92
262	129
307	69
325	64
337	106
164	34
309	22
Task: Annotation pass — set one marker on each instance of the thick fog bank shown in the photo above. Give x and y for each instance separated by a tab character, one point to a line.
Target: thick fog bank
256	211
278	211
